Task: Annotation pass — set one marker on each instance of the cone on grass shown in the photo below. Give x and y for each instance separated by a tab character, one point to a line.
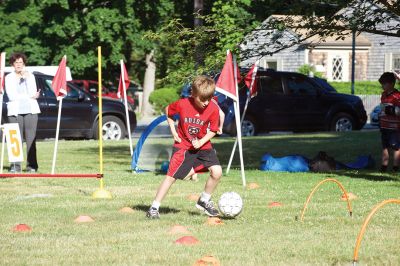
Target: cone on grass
178	229
214	221
187	240
22	228
274	204
207	261
350	195
126	210
252	186
84	219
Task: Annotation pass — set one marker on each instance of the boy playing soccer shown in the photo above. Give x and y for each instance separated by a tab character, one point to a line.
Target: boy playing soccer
389	121
192	148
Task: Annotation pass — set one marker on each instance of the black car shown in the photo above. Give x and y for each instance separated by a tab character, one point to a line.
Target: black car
79	114
288	101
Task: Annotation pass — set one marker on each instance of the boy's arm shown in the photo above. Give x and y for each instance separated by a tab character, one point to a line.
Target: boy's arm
171	124
221	121
197	143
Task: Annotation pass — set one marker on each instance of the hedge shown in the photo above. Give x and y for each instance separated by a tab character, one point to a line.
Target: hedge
360	87
160	98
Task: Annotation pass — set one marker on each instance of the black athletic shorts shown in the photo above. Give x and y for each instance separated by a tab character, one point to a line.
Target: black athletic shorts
390	139
182	161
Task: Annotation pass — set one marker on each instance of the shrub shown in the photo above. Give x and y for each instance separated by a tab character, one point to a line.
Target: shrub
360	87
162	97
306	69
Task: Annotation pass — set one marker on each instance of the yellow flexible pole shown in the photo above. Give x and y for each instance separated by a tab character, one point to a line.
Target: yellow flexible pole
100	113
315	189
364	226
101	192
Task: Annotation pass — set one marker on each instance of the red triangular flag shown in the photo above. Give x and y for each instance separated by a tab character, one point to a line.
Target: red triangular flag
59	82
120	93
250	80
226	81
2	66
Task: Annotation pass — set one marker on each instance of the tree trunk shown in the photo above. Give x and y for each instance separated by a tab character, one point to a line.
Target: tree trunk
148	85
198	10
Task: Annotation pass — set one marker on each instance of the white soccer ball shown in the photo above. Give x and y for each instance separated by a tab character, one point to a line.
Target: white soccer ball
230	204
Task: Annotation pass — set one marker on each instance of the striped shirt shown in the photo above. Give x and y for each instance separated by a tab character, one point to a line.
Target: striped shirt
389	121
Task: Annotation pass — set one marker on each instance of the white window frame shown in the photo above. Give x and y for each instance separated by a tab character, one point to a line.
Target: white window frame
345	57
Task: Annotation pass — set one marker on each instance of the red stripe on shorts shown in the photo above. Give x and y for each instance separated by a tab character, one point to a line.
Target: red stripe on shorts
176	161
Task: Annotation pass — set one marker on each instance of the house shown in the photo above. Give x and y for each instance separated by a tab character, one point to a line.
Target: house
374	54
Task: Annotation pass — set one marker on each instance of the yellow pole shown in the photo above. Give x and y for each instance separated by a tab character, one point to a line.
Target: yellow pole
101	192
100	113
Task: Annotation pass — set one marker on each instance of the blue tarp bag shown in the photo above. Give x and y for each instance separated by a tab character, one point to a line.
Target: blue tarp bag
291	163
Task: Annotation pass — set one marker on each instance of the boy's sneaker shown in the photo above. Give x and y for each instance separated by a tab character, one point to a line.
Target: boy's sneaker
153	213
207	207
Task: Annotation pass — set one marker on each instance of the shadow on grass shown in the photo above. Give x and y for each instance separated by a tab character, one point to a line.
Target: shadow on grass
162	210
372	176
194	213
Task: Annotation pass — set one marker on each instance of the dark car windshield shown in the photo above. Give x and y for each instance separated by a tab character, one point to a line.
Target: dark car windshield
324	84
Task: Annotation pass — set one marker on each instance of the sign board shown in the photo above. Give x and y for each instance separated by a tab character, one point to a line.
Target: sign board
14	142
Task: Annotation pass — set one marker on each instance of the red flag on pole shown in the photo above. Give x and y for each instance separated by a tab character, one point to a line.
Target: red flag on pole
226	81
59	82
125	78
250	80
2	66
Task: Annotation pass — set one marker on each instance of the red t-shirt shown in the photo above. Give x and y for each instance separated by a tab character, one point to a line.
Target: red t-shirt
194	121
389	121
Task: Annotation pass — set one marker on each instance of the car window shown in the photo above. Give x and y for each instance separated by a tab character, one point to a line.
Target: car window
270	85
71	92
49	92
299	85
93	88
79	84
324	84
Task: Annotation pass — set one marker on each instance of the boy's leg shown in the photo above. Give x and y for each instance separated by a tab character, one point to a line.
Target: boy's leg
396	160
164	187
213	179
204	203
160	195
385	159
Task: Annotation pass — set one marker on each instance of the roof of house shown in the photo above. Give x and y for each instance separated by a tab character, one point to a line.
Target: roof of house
318	40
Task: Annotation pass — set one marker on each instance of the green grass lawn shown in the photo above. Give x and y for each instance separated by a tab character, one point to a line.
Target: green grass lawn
258	236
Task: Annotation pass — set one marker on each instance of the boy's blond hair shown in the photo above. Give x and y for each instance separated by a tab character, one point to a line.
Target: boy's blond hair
203	87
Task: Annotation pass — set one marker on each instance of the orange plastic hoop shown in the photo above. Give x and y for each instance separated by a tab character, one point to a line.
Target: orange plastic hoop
364	226
315	189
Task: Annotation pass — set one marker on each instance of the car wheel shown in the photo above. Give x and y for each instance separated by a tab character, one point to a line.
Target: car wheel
342	122
113	129
249	127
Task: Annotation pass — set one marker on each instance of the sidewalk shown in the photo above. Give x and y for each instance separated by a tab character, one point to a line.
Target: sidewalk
161	131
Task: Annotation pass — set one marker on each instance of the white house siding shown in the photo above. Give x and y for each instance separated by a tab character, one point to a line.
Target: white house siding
289	59
381	51
381	47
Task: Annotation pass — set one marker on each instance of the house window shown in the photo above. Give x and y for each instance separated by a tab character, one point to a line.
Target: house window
271	63
337	70
396	61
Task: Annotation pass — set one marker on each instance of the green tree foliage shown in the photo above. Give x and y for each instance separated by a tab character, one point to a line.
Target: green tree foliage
307	69
46	30
223	29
